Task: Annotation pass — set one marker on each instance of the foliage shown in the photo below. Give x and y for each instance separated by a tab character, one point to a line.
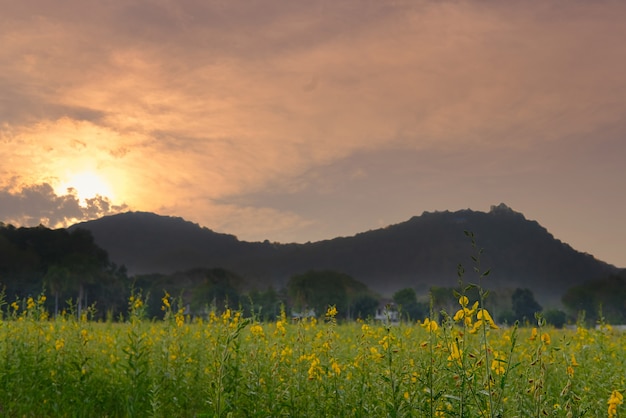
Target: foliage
69	264
365	307
230	366
319	289
264	305
607	295
555	317
418	253
524	304
410	308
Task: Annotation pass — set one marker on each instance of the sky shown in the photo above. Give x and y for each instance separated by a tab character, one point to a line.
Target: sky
299	121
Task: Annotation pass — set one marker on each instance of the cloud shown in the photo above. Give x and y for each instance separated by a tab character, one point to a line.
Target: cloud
39	204
233	82
211	109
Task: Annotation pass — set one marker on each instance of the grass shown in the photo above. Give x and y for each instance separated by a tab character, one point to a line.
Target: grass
229	366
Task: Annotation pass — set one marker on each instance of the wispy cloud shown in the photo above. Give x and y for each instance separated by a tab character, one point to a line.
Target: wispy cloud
211	109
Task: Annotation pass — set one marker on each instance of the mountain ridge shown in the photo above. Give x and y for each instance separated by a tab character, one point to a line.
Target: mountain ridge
421	252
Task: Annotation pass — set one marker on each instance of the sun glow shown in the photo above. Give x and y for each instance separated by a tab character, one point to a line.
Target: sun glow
86	185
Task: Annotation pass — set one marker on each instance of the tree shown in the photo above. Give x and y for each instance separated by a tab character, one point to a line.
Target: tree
365	306
605	296
87	264
55	279
405	297
219	287
411	309
319	289
524	304
66	264
265	305
555	317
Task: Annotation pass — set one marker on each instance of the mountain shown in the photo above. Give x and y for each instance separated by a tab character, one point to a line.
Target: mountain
421	252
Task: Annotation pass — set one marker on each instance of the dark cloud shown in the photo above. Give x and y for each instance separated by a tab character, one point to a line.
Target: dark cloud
39	204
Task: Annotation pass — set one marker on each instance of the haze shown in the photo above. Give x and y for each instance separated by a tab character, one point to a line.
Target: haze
301	121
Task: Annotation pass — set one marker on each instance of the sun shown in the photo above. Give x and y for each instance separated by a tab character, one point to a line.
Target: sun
86	185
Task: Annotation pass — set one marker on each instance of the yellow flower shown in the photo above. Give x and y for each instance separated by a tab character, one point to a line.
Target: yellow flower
483	319
476	327
459	315
375	354
384	342
30	303
59	344
455	353
15	306
497	364
431	326
464	313
285	353
616	399
226	315
314	369
331	312
574	362
533	334
335	367
180	317
280	326
212	317
483	314
257	331
545	338
166	301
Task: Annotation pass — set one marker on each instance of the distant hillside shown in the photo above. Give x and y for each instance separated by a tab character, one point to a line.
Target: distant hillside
421	252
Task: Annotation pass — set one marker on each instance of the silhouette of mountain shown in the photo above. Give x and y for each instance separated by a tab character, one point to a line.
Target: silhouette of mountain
421	252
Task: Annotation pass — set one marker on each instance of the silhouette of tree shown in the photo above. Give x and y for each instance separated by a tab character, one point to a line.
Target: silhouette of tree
606	296
365	306
410	308
319	289
524	304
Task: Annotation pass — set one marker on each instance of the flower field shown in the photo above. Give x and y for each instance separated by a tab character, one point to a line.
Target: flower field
229	366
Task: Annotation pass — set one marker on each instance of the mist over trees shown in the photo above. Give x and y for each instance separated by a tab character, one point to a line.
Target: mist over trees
599	300
316	290
69	266
420	253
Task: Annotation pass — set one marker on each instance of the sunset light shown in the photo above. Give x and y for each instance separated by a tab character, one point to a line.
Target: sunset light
304	121
86	185
204	173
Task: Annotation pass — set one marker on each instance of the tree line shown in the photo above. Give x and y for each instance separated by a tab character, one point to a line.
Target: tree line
73	271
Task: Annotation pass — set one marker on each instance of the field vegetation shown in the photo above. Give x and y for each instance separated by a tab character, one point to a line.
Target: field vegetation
236	361
461	364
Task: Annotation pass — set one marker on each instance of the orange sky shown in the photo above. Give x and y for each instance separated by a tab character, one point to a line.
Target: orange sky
297	121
